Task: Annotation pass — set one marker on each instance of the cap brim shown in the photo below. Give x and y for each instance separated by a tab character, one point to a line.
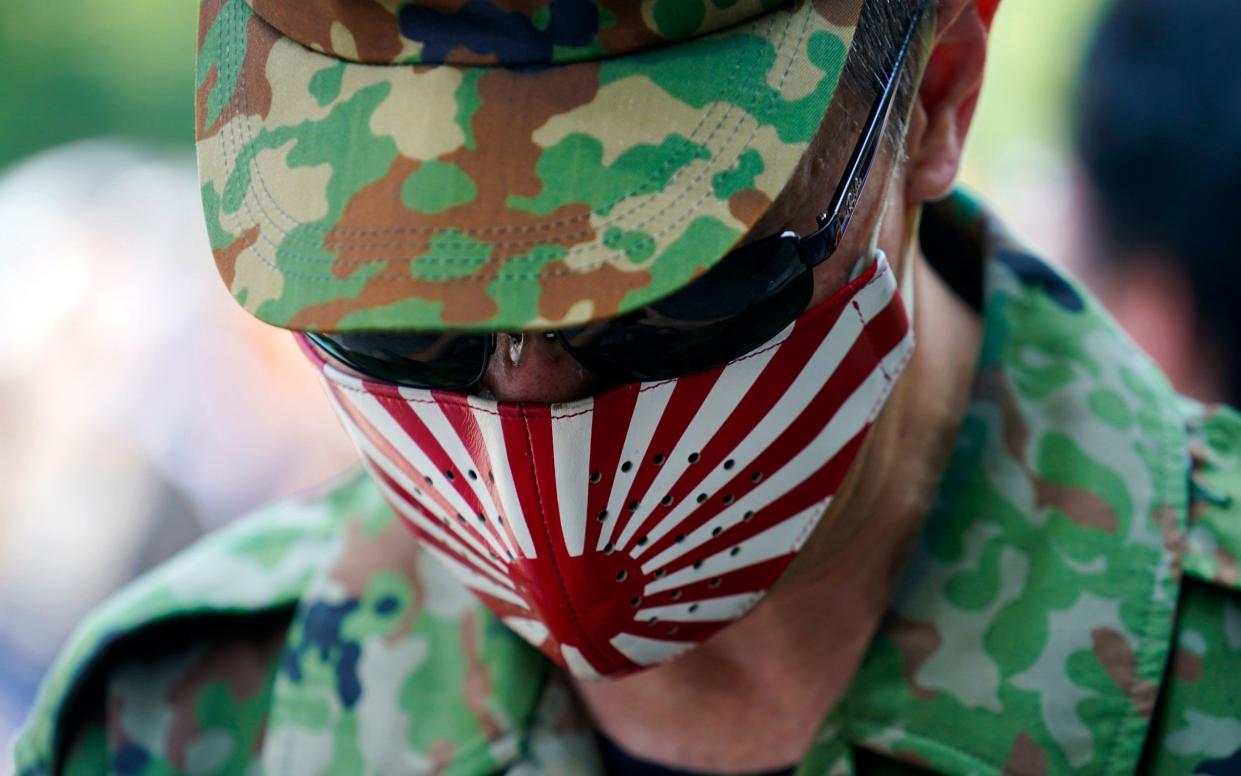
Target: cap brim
342	196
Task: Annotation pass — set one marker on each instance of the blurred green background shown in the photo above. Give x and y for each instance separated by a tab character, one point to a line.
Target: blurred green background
79	70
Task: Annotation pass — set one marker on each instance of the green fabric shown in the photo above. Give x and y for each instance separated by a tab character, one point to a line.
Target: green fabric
1073	605
480	194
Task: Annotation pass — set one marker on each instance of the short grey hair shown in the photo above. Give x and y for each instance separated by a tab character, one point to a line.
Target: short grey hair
879	32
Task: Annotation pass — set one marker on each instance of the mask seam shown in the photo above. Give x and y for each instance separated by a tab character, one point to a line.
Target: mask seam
555	564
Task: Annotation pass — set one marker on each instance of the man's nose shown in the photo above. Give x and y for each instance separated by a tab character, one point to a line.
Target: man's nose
535	368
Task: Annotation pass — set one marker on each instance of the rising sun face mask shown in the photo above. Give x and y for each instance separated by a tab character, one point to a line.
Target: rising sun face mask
619	531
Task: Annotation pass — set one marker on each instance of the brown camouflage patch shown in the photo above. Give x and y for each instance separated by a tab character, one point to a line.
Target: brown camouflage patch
371	28
476	686
917	641
1117	658
1186	666
1026	758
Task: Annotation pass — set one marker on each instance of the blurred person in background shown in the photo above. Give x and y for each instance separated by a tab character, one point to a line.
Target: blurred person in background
103	346
1158	135
622	333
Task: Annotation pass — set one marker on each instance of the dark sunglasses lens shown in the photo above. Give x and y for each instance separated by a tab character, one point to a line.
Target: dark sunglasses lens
429	360
732	309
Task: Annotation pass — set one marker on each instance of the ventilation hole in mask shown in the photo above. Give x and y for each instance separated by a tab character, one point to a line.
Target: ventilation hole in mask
728	499
491	477
472	474
445	521
499	519
756	477
636	601
657	459
673	630
602	516
641	541
680	538
747	517
697	565
626	467
735	551
716	531
430	484
461	517
622	575
493	555
715	582
652	621
676	595
448	473
693	457
661	573
693	608
418	492
666	500
633	506
729	464
608	548
482	518
509	553
595	477
702	497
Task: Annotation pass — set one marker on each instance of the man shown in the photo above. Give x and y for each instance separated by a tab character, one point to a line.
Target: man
1166	273
672	510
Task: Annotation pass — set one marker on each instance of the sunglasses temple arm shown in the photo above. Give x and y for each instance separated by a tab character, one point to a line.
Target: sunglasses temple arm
833	223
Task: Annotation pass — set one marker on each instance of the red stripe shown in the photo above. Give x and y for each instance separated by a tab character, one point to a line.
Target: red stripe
884	332
380	441
408	499
461	417
607	440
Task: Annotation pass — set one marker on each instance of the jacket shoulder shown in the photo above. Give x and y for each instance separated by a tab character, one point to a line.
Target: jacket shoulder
247	576
1197	727
1213	542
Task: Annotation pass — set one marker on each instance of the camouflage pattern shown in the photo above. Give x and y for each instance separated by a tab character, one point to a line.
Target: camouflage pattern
1073	606
452	194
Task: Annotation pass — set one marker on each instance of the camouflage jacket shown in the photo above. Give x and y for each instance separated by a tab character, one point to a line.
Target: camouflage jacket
1074	604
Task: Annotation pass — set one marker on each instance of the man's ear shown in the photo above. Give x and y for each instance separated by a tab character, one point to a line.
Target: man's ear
948	96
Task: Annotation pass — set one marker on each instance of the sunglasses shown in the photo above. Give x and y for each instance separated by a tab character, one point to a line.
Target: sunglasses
746	299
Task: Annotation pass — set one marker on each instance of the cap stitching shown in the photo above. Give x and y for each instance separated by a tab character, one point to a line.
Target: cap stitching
544	226
472	278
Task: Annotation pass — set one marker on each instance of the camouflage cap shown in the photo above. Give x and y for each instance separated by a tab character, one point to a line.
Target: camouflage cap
497	164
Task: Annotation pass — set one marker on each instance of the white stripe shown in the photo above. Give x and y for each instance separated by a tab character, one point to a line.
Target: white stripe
577	663
480	561
781	539
845	424
644	651
532	631
374	412
571	452
377	458
471	578
506	489
432	416
872	300
724	608
649	408
380	461
733	384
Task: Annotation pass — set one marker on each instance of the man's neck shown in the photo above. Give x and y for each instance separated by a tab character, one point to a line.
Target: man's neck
752	697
